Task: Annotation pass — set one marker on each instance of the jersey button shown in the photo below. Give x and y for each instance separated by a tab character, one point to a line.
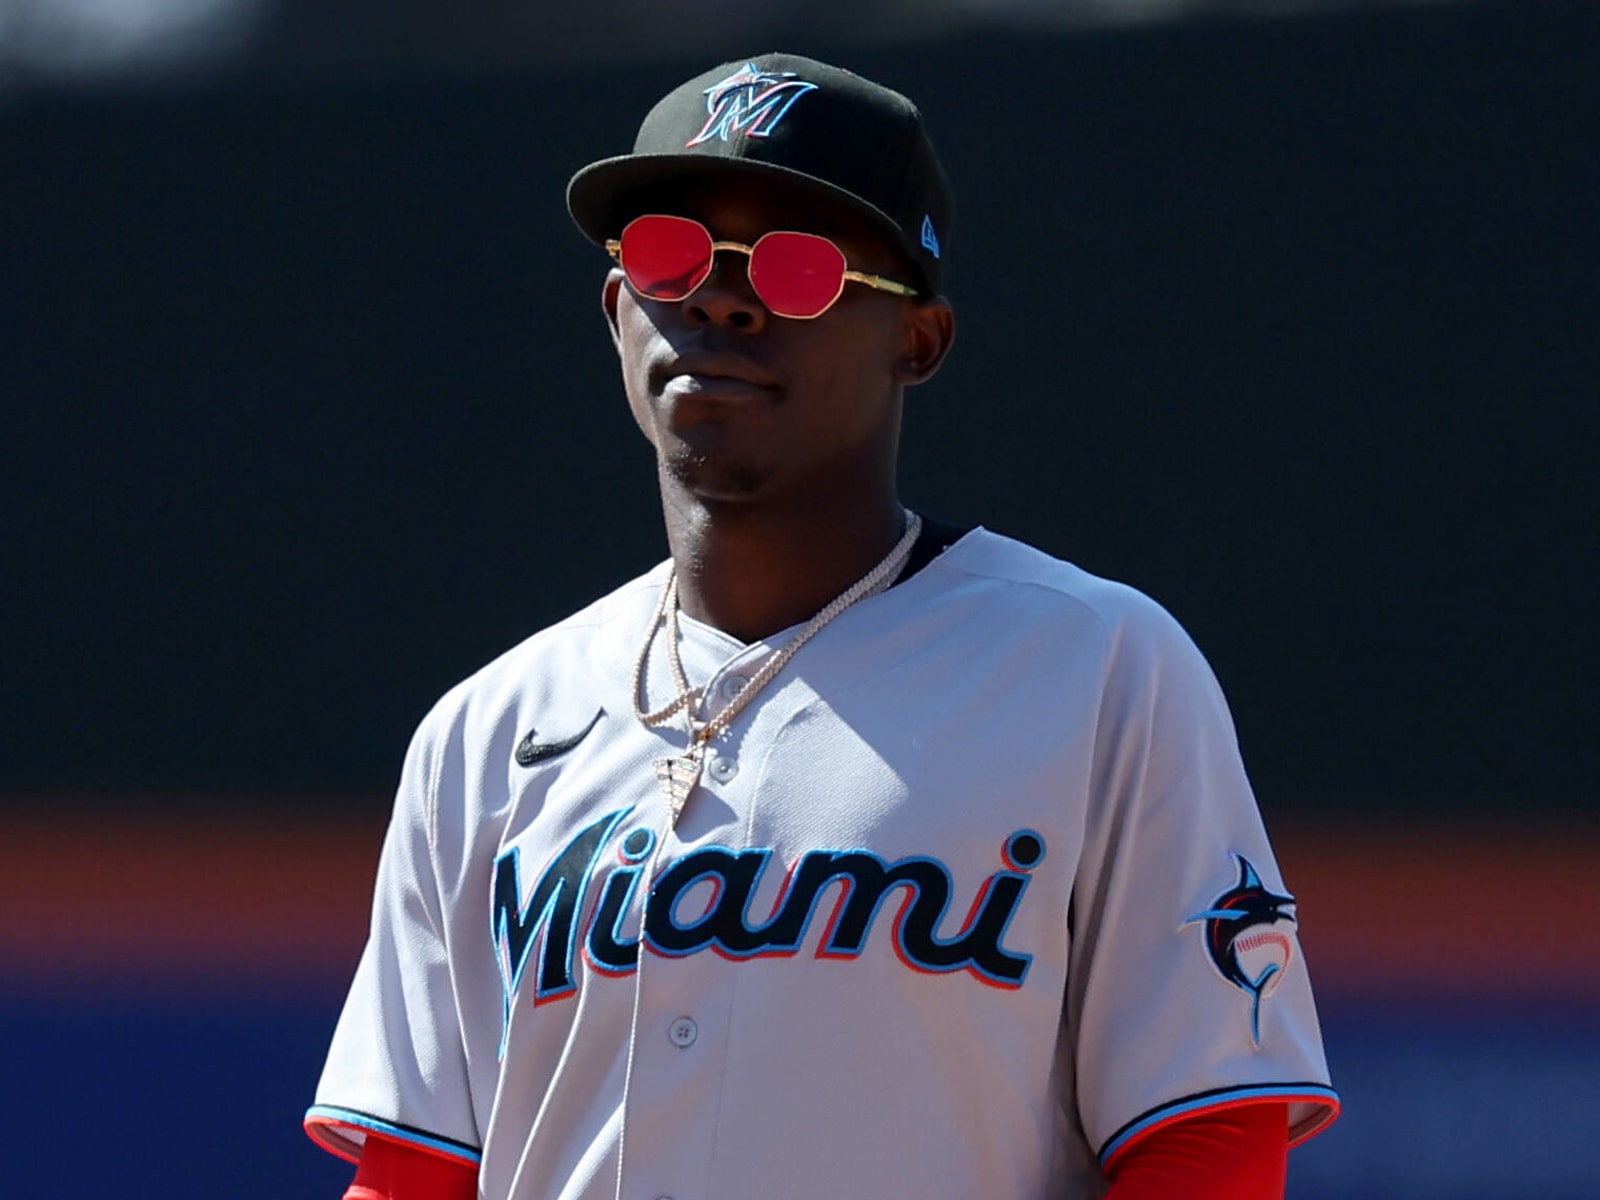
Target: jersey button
682	1032
731	686
723	768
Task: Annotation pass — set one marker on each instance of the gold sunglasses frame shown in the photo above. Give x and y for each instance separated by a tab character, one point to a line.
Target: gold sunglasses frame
878	282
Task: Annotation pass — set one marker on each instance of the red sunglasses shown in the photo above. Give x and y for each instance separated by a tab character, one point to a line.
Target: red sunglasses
796	275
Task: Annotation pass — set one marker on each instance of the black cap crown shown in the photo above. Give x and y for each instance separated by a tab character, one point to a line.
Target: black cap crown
821	128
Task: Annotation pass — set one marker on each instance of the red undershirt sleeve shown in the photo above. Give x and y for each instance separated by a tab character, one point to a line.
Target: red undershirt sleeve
1238	1153
394	1171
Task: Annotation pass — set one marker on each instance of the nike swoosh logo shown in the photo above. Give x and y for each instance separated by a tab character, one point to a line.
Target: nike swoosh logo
530	750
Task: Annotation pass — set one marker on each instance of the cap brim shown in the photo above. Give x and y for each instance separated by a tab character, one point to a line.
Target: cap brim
606	195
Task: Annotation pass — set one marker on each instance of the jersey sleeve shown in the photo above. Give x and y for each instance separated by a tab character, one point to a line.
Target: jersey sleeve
1187	992
397	1064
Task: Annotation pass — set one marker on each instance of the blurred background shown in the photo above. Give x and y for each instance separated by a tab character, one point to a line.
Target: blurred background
1285	312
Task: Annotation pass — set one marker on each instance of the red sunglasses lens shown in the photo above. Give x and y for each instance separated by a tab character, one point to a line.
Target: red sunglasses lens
666	258
796	274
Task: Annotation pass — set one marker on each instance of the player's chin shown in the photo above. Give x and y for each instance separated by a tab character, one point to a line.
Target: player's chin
714	477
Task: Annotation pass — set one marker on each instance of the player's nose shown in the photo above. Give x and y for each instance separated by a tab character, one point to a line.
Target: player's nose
726	297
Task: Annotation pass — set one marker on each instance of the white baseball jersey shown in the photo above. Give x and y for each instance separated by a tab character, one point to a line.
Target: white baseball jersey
973	895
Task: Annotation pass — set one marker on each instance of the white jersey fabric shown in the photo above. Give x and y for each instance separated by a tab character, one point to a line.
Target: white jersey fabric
973	895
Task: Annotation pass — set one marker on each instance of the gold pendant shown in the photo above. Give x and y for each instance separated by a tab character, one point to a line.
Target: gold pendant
676	777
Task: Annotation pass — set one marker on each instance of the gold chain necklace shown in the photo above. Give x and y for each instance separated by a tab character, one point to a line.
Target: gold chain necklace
677	776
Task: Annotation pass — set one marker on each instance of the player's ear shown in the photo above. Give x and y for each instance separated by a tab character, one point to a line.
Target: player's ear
609	291
928	331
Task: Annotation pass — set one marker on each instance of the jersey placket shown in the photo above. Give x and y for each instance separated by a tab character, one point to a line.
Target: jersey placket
684	1000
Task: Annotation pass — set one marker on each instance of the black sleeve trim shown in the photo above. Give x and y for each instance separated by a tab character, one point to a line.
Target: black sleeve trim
1224	1097
320	1116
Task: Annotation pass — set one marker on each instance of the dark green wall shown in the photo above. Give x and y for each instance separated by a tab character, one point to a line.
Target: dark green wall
308	409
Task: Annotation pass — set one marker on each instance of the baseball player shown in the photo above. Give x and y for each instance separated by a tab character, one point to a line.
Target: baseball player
844	853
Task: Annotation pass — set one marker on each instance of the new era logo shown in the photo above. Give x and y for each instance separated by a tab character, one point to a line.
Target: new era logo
930	239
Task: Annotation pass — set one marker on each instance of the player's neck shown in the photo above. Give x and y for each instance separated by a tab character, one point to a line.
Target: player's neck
752	571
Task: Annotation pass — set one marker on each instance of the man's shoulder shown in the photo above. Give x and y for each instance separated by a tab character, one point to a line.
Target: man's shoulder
1031	576
1134	636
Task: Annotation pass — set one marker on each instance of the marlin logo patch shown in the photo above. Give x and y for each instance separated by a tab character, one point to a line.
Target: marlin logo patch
1253	962
750	101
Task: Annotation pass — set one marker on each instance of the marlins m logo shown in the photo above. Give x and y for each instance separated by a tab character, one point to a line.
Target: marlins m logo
1255	961
750	101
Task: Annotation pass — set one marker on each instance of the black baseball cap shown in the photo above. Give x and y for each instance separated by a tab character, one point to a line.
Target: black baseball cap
825	130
